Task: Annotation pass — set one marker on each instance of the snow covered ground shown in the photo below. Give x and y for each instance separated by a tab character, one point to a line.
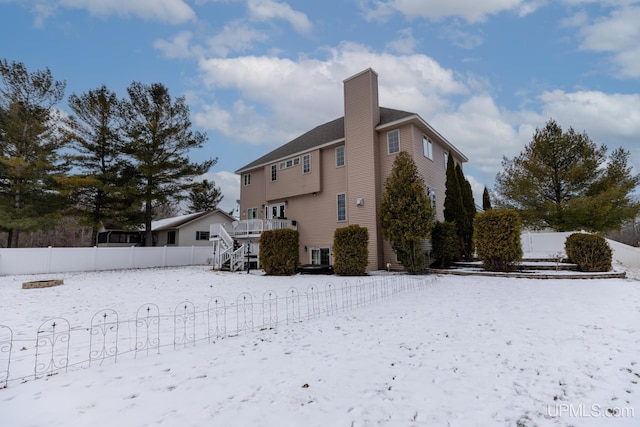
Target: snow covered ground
454	351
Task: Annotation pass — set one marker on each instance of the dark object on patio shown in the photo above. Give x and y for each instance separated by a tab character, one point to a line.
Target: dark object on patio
315	269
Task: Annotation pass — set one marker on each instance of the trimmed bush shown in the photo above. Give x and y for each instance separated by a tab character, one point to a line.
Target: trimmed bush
590	252
445	243
351	251
497	239
279	252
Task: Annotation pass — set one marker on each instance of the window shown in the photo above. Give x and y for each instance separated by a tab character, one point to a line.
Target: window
171	238
119	237
289	163
431	193
202	235
339	156
427	147
306	163
274	172
252	213
342	207
446	159
247	179
320	256
393	141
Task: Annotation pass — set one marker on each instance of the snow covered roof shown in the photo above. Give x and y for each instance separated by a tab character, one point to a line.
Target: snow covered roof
179	221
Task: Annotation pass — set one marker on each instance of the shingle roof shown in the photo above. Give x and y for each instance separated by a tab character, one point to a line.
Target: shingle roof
328	132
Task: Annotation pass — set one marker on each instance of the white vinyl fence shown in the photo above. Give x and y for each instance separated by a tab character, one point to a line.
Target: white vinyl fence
62	260
545	244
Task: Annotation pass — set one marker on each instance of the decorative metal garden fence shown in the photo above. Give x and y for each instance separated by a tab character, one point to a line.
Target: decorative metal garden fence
58	346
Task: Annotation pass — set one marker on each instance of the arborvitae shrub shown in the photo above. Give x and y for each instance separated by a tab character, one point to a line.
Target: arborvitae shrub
350	251
445	243
590	252
279	252
497	239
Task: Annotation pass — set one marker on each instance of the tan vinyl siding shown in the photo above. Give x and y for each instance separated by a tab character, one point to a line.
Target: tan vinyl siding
253	195
363	182
316	215
292	181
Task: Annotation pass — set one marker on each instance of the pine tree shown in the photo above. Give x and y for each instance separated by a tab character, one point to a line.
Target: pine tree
486	200
562	180
406	217
95	132
204	196
30	162
159	139
453	206
469	207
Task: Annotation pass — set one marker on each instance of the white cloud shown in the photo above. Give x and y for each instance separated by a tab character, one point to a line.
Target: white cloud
236	36
603	116
404	43
180	46
617	34
578	19
171	11
459	37
266	10
291	97
435	10
481	131
229	184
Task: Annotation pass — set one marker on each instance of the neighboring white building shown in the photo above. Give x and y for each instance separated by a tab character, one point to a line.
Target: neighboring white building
183	230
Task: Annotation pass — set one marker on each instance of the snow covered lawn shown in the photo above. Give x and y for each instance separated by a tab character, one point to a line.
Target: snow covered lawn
459	351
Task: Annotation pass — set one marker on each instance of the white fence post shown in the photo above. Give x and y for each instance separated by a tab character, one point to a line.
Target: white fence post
49	254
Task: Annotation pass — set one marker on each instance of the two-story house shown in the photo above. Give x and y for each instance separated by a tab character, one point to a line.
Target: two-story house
334	175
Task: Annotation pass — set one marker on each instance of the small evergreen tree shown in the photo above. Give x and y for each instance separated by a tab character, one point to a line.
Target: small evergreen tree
486	200
469	205
405	213
279	252
453	205
444	240
204	196
351	251
562	180
497	233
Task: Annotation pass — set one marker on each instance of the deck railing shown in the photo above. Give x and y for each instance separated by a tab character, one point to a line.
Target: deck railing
254	227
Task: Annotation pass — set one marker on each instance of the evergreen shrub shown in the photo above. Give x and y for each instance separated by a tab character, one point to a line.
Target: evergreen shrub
590	252
351	251
445	243
279	254
497	239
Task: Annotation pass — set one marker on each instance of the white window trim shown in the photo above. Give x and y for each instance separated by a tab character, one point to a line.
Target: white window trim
343	156
306	156
247	179
338	207
252	213
274	168
396	131
428	144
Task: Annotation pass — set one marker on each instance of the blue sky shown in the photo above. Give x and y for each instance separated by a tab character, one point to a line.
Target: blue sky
258	73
